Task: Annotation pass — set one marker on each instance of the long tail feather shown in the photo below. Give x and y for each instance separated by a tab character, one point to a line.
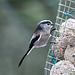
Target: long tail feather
31	46
28	51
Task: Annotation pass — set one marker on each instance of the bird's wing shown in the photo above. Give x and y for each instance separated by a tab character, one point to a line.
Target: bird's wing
33	40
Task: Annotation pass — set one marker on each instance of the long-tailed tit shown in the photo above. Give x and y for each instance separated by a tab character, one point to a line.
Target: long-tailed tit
40	36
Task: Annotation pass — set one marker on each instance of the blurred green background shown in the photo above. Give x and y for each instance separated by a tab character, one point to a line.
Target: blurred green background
18	19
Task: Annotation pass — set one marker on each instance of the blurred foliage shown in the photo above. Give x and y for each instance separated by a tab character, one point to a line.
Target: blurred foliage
35	10
18	19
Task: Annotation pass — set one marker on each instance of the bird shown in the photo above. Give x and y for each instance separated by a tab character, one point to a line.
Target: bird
40	37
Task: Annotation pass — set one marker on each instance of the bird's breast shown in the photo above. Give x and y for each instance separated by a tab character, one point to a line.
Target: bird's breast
42	41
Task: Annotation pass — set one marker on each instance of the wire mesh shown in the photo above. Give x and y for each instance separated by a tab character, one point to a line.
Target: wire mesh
64	6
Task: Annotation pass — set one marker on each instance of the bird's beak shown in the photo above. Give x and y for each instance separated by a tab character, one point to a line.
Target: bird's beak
52	24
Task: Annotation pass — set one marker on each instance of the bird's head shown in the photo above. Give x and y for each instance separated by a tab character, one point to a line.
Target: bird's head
45	24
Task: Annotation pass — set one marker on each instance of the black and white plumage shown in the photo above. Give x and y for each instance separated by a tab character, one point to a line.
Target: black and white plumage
40	36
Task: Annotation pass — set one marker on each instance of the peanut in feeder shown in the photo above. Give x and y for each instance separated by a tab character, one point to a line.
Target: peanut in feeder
70	54
63	68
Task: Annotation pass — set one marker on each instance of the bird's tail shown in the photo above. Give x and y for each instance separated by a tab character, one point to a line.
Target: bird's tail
28	51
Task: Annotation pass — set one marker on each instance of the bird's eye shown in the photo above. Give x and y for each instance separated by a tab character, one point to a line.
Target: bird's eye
48	23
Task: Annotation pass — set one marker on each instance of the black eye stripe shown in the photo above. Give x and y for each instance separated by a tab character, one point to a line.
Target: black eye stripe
45	23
